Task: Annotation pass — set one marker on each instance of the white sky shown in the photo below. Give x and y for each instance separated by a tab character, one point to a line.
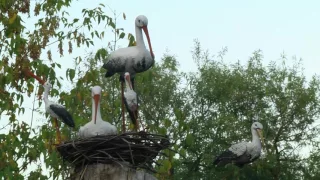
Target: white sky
243	26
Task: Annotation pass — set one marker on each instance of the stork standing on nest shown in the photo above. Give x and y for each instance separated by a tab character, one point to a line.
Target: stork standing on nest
57	111
244	152
133	59
131	101
96	126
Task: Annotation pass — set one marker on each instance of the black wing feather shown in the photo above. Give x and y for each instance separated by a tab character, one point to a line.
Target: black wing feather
229	157
113	66
63	114
132	114
225	158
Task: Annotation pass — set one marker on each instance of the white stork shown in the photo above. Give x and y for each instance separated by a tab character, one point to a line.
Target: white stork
133	59
244	152
57	111
96	126
131	101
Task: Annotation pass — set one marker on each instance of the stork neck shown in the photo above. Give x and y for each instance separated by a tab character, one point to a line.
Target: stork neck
94	110
255	138
127	85
45	94
139	37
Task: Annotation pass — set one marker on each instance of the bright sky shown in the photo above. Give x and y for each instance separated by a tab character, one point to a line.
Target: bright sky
243	26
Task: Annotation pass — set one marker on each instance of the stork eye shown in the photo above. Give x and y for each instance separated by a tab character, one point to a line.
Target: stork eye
139	20
255	124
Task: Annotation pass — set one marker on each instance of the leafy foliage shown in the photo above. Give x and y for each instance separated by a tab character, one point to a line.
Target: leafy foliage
227	98
25	50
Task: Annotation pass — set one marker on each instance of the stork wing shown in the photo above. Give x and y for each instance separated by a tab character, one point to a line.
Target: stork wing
239	148
230	155
63	114
133	114
119	60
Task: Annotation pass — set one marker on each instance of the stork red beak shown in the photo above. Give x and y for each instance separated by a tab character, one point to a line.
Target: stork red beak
145	29
96	98
34	76
127	77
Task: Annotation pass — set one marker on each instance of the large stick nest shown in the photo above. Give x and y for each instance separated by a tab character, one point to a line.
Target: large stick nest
139	149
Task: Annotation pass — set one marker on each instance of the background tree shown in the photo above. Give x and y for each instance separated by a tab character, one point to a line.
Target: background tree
227	98
24	49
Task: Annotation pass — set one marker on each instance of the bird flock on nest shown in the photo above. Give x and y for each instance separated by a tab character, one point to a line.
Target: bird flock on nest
127	62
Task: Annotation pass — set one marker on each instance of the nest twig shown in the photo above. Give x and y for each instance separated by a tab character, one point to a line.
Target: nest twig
139	149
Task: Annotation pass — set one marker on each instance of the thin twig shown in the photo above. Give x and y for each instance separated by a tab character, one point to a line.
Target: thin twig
5	126
130	150
82	174
34	100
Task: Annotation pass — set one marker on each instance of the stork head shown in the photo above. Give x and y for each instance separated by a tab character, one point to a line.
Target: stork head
47	85
256	126
95	94
142	22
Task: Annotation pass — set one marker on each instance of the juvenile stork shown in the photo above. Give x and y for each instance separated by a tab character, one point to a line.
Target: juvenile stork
244	152
131	101
97	126
57	111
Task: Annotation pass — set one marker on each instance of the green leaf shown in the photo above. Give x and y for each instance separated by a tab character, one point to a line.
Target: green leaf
162	130
122	35
72	74
167	123
189	139
13	18
99	19
166	164
55	92
97	34
75	20
112	24
182	152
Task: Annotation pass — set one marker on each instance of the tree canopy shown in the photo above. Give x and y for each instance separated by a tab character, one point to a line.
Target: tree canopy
202	112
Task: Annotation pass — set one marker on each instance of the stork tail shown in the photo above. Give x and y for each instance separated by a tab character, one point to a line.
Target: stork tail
224	158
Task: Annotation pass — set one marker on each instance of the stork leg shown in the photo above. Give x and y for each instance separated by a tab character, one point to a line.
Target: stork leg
132	83
122	109
57	130
136	126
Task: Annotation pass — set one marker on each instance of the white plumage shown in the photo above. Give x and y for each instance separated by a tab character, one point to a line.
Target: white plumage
244	152
134	59
55	110
96	126
130	95
131	98
252	149
239	148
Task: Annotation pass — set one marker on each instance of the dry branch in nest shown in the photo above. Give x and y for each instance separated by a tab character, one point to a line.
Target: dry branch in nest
139	149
